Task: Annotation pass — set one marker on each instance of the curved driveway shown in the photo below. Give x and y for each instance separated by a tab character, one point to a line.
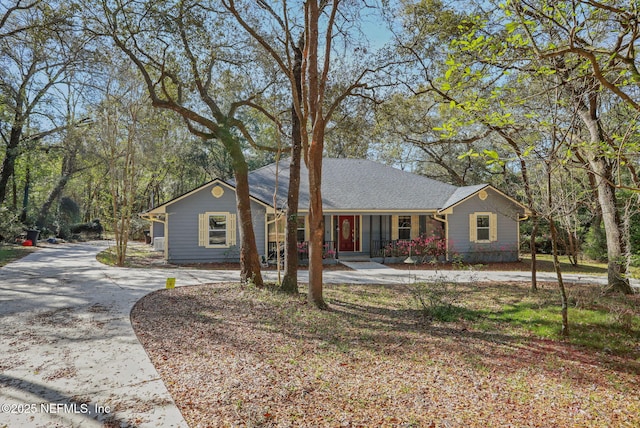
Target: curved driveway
68	353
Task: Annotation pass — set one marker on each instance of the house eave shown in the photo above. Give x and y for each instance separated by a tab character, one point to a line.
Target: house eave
449	209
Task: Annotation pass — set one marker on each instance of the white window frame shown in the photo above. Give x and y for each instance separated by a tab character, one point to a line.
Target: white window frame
204	229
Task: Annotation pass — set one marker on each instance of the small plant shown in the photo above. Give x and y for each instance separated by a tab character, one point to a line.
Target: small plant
437	300
457	261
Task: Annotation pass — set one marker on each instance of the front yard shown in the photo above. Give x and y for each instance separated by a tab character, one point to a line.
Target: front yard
249	357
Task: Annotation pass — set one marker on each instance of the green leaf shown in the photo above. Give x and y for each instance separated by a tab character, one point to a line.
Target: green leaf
491	153
511	26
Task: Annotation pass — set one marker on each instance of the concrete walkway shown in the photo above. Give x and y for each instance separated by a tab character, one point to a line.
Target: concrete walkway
69	356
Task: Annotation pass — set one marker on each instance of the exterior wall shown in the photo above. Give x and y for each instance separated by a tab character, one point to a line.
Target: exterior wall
504	249
183	232
157	229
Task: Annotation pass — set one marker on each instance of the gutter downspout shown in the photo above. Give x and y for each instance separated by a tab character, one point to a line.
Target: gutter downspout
446	231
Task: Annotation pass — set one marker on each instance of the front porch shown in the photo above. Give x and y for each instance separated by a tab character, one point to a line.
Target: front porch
362	237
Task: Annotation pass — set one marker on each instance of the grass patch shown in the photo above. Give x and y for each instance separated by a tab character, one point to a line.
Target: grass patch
10	253
544	263
138	255
270	359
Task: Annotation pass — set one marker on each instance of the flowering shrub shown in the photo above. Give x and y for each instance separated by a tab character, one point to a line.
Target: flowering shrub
327	250
425	246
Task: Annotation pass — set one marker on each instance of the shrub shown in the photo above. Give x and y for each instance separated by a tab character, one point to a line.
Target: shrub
10	226
427	247
92	229
437	300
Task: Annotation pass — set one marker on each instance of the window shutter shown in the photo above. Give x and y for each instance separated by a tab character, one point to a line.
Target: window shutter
473	228
306	228
231	230
415	226
203	230
394	227
493	227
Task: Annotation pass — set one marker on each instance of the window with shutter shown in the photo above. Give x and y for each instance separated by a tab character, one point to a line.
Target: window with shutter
483	227
216	230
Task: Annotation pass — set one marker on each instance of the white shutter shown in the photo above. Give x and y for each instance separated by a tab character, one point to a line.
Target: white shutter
493	227
231	230
203	230
473	236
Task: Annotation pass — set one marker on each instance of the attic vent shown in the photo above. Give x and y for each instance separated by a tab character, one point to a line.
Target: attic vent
217	191
482	195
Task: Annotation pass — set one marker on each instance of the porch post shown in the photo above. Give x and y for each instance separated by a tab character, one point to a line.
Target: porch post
336	238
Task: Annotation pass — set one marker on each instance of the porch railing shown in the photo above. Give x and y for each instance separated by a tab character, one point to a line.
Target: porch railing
389	247
384	247
328	251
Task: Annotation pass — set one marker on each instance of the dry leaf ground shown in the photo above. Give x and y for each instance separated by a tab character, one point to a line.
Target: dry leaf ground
248	357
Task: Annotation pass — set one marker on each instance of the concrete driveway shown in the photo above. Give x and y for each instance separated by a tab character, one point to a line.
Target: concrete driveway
68	353
69	356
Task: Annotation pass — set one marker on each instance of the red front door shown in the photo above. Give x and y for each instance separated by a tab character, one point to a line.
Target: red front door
348	232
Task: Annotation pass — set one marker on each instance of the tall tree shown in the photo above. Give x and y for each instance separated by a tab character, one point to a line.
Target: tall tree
499	49
194	63
36	51
591	46
315	95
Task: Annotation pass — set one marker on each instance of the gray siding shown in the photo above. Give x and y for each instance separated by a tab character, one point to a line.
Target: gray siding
157	229
504	249
182	218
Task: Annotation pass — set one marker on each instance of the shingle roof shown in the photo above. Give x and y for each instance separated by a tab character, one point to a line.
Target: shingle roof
358	184
462	193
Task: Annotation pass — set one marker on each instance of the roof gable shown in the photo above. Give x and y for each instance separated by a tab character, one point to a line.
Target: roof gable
160	209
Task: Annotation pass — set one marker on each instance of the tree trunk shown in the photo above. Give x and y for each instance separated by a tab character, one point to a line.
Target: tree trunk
556	265
68	168
314	100
9	162
25	193
616	268
532	246
249	259
524	171
316	222
290	280
55	193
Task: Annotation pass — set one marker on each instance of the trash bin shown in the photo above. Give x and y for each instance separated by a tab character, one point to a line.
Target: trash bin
32	235
147	237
